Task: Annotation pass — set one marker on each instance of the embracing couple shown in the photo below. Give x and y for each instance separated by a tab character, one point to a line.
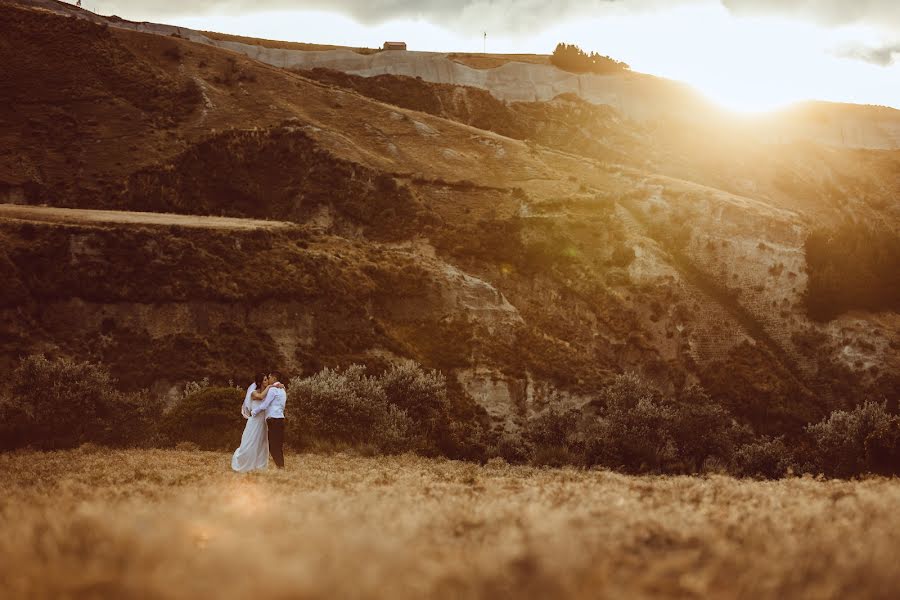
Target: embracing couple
264	410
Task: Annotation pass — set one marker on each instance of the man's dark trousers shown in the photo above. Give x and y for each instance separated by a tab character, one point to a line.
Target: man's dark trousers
276	440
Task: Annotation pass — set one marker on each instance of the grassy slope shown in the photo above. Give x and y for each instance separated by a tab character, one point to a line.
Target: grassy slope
167	524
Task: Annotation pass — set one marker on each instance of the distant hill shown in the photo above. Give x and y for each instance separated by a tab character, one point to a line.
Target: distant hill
529	78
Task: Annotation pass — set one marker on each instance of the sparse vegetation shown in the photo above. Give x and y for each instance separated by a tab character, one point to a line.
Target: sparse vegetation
630	426
569	123
234	73
254	174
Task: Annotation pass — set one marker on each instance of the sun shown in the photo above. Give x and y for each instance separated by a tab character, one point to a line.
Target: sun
743	64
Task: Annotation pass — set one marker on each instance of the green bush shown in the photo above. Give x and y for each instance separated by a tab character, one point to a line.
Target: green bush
210	418
421	394
552	431
63	403
463	440
570	57
865	439
634	431
553	439
346	406
765	457
641	430
512	448
700	428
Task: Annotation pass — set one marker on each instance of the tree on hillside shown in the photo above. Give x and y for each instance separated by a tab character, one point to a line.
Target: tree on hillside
570	57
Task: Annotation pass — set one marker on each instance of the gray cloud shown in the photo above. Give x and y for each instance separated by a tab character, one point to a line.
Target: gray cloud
502	15
884	13
515	12
882	56
365	11
519	16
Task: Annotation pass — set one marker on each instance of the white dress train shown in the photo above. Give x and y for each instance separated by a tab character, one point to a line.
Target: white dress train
254	451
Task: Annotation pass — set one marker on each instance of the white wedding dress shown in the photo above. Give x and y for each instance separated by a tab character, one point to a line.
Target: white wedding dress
254	451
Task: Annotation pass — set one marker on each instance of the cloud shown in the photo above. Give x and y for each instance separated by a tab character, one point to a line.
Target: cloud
883	56
364	11
510	15
507	16
883	13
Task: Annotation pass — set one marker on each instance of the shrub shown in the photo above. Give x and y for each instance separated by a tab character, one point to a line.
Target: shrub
865	439
174	51
552	437
764	457
552	428
210	418
639	429
553	456
700	428
634	431
134	420
192	387
421	394
395	431
570	57
512	448
405	408
63	403
464	440
345	406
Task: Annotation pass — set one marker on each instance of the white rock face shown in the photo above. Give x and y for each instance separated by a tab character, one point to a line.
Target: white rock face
637	95
511	400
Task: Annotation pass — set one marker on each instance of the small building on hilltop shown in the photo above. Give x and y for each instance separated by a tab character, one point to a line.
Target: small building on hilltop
394	46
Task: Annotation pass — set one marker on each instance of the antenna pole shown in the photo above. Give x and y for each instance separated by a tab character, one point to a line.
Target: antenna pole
484	49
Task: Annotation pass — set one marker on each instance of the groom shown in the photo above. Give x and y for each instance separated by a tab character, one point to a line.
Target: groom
273	405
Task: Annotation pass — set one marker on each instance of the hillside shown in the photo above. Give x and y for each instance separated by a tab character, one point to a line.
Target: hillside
530	250
531	78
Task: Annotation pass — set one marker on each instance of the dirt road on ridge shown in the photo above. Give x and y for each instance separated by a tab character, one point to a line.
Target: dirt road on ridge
88	216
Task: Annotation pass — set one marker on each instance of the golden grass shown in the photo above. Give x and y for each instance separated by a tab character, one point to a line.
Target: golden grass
167	524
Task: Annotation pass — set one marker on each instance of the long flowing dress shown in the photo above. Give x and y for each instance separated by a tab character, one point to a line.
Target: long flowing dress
254	451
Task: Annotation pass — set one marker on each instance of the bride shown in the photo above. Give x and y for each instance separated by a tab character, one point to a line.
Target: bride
254	450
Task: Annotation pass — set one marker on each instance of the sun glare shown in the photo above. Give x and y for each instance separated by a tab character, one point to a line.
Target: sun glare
748	65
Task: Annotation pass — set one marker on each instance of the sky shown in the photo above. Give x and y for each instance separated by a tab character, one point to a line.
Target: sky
747	55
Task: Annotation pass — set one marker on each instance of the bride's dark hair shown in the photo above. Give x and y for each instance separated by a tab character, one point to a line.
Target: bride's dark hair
259	379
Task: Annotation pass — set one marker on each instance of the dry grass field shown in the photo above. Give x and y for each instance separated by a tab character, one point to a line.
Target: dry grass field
166	524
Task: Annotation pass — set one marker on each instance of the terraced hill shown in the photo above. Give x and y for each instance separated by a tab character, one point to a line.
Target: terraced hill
530	250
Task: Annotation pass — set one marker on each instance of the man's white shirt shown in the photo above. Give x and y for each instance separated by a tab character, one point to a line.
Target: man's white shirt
273	404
